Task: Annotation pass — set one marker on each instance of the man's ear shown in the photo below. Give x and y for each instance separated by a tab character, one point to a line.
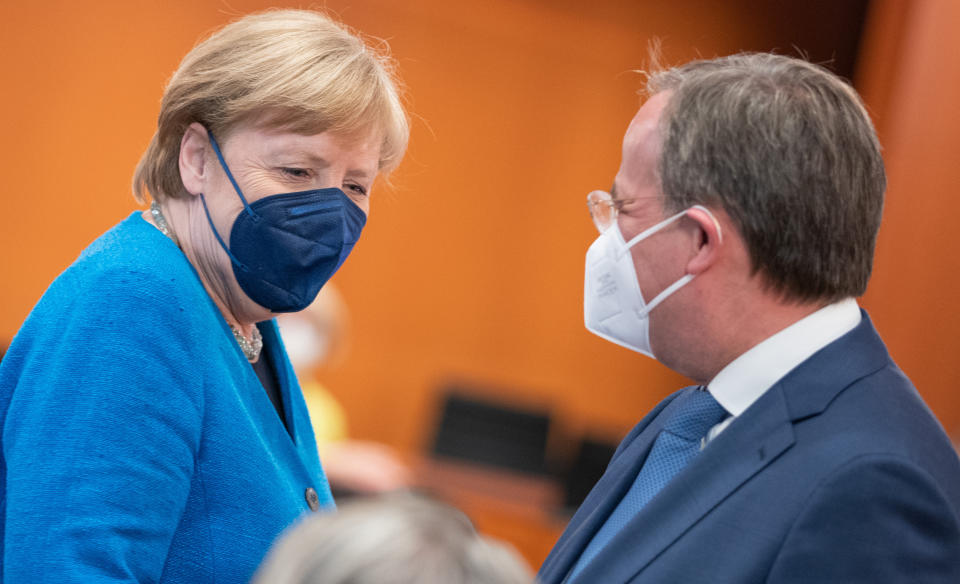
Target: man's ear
708	242
193	158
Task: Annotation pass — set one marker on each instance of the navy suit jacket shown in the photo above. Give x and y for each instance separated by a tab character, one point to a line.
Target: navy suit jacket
838	473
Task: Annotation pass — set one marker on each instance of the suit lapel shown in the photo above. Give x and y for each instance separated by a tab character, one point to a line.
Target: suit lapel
723	466
603	498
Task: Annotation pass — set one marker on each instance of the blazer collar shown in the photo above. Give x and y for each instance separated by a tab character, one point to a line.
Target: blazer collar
811	387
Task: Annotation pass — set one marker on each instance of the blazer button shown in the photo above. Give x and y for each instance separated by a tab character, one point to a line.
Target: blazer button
312	499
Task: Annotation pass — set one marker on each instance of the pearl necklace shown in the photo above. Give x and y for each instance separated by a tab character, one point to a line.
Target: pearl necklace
251	347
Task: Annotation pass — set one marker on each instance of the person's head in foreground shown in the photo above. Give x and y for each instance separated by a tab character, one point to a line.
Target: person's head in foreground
394	539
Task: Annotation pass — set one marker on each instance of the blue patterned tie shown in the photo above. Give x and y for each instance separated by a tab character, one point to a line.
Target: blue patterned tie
675	446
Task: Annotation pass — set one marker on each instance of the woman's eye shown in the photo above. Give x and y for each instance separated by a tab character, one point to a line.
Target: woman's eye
295	172
357	189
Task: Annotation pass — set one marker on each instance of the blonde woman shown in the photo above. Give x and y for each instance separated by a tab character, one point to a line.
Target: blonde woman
153	429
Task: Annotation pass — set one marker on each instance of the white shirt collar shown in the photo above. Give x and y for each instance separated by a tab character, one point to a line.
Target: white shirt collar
750	375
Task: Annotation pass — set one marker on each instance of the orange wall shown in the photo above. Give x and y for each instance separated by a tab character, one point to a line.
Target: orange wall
471	267
912	75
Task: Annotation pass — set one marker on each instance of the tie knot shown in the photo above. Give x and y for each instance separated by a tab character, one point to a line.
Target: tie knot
697	414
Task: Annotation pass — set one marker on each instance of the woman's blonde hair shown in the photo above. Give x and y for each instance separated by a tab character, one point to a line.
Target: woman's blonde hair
295	70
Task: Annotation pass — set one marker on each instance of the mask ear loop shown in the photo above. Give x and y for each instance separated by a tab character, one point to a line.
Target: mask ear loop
663	295
253	215
216	234
650	230
712	218
686	278
226	169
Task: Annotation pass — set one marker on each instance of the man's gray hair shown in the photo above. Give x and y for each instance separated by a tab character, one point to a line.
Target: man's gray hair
787	149
398	539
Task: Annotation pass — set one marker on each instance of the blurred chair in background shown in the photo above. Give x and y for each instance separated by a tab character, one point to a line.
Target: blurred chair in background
507	437
492	432
315	338
393	539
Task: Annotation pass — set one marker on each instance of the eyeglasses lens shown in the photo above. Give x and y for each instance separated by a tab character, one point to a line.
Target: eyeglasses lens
601	209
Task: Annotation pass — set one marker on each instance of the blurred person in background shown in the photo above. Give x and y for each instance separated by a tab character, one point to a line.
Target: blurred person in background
739	231
153	429
393	539
316	339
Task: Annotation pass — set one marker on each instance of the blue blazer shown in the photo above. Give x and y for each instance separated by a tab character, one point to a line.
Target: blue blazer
137	442
838	473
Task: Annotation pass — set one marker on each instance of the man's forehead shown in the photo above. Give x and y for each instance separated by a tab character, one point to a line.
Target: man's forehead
646	122
641	147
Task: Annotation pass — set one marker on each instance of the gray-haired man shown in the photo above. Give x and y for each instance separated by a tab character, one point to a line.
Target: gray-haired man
737	235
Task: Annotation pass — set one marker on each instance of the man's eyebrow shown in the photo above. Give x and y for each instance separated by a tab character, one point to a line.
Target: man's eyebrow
613	191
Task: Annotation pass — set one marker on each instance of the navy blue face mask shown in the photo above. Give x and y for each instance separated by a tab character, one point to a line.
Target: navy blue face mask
285	247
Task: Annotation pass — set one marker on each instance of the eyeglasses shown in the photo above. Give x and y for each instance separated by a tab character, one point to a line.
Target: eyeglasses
604	208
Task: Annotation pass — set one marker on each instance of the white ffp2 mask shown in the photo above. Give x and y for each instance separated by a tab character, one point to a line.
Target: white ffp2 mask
613	305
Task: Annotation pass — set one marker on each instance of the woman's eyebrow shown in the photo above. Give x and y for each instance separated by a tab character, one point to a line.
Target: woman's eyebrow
299	154
362	173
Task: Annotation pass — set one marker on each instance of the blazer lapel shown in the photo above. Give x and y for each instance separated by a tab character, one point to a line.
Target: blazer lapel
705	482
285	375
293	441
602	500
